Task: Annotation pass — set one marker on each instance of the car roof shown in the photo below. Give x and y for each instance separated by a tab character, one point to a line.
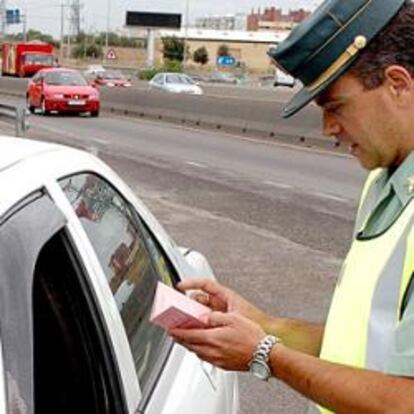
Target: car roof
15	150
47	70
172	73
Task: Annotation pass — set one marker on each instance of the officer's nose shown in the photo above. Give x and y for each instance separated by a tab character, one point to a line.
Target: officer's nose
331	126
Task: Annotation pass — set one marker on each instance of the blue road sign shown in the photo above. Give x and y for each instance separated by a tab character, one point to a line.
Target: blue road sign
13	16
226	61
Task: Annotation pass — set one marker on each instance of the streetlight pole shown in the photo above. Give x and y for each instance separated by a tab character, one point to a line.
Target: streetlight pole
187	22
3	18
108	13
62	30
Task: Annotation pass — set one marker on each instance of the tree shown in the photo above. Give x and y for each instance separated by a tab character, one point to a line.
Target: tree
33	35
173	48
223	50
201	55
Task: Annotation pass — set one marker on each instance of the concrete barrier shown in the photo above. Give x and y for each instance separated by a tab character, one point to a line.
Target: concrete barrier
243	116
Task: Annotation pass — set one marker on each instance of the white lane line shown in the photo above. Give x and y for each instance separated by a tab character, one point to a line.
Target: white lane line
100	141
195	164
331	197
278	185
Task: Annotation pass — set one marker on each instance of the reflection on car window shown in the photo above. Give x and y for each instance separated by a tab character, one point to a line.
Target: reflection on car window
187	80
173	79
65	78
177	78
158	79
34	59
130	258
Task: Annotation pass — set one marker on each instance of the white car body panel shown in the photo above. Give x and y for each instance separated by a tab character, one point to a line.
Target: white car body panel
26	166
163	85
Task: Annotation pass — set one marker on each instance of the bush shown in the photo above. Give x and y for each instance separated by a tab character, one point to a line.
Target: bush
148	74
201	55
169	66
172	66
223	50
92	51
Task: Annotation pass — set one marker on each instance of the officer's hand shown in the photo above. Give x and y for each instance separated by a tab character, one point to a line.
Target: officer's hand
228	343
222	299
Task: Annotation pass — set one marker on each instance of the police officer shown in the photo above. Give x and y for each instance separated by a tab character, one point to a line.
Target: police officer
355	59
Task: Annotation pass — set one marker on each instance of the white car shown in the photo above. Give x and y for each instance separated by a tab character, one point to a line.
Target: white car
175	83
283	79
94	70
80	257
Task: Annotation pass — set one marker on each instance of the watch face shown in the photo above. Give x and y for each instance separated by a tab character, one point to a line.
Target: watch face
260	370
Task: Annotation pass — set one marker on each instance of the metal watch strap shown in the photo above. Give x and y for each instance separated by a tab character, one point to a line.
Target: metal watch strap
259	366
264	347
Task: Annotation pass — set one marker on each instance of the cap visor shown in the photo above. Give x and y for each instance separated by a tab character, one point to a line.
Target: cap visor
306	95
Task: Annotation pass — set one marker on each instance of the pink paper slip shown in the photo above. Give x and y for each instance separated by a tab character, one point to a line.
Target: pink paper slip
172	309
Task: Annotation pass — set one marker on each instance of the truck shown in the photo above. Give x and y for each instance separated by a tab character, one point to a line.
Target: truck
25	59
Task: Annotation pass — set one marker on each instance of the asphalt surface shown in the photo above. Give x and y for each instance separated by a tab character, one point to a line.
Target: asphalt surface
274	221
252	111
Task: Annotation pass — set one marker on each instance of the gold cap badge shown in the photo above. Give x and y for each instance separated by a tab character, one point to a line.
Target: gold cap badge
360	42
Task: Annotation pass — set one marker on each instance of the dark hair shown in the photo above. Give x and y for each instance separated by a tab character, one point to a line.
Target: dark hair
394	45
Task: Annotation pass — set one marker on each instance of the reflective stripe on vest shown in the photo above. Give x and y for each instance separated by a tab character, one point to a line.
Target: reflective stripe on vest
366	305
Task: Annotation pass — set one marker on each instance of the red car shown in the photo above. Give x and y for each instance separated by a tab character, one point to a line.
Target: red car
62	90
112	78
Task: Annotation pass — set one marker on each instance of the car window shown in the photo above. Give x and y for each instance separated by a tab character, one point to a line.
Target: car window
38	59
173	79
131	259
38	77
158	79
65	78
186	80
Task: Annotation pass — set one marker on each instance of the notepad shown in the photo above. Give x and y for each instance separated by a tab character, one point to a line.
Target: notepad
172	309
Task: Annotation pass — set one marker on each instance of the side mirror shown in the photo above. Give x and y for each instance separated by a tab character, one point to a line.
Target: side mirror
197	262
93	84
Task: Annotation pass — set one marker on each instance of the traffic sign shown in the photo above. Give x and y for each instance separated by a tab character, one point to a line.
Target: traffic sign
13	16
226	61
111	55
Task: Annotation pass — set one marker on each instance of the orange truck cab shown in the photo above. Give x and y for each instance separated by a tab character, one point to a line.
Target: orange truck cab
25	59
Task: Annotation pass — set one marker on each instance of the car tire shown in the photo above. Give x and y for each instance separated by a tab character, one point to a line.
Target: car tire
29	106
43	109
94	114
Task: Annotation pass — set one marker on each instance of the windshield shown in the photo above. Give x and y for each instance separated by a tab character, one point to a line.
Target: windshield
182	79
65	78
33	59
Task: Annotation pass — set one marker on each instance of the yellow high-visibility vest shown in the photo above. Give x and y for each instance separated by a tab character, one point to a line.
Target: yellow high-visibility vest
366	305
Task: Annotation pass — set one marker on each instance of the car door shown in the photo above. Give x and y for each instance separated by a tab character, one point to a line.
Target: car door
133	262
57	355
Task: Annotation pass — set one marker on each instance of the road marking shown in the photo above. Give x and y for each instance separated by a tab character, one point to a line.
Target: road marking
278	185
195	164
100	141
331	197
253	140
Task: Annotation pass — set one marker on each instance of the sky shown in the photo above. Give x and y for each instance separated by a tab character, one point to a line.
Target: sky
45	15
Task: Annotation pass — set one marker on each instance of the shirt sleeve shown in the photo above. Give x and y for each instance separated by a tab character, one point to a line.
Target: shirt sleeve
401	359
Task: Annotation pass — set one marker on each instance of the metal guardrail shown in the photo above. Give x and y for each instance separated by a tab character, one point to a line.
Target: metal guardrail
19	114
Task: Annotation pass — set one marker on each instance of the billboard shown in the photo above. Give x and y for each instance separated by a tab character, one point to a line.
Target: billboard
146	19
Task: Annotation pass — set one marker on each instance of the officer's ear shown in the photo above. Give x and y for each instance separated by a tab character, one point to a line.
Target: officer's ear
400	84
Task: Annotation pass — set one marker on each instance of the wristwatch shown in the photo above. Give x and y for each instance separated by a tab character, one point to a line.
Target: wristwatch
259	366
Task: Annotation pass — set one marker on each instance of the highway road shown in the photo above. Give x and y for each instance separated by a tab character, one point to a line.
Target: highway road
247	110
274	220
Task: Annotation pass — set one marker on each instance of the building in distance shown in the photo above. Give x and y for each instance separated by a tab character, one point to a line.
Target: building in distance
227	22
273	19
